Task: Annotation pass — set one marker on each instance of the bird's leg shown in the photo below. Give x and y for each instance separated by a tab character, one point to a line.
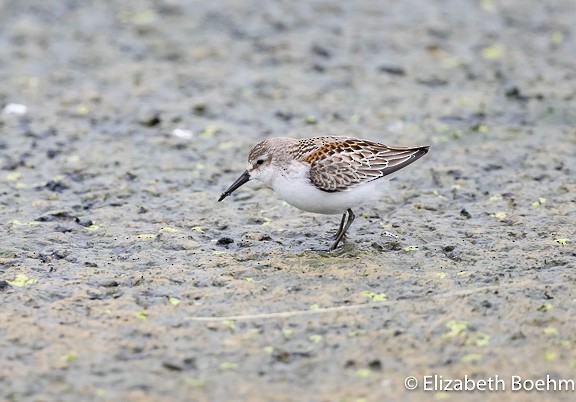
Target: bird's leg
341	226
341	233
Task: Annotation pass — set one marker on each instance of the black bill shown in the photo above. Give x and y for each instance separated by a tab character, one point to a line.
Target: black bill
240	181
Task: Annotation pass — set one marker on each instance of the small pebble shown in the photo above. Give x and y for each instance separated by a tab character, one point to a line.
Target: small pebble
15	108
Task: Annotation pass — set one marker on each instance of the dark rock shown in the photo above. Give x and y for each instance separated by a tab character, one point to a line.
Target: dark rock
224	241
86	223
56	186
321	51
392	70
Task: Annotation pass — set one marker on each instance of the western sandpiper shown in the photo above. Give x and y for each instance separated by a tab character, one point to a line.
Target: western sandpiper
326	175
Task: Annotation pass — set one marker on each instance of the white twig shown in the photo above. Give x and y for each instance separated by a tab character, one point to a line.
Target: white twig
373	305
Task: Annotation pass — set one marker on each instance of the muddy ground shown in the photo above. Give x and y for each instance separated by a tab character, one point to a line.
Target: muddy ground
123	279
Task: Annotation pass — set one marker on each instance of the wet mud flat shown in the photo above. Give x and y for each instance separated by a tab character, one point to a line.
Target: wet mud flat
123	278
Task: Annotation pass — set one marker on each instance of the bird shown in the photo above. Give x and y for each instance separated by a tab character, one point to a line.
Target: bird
326	175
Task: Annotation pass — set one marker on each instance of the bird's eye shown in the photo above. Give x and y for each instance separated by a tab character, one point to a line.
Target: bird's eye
260	161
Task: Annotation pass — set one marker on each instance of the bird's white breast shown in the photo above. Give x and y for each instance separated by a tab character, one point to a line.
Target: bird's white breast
293	185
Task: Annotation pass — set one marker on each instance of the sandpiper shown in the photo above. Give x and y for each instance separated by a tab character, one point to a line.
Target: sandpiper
326	175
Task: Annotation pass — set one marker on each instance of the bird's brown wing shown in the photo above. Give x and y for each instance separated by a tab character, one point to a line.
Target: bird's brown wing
342	163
